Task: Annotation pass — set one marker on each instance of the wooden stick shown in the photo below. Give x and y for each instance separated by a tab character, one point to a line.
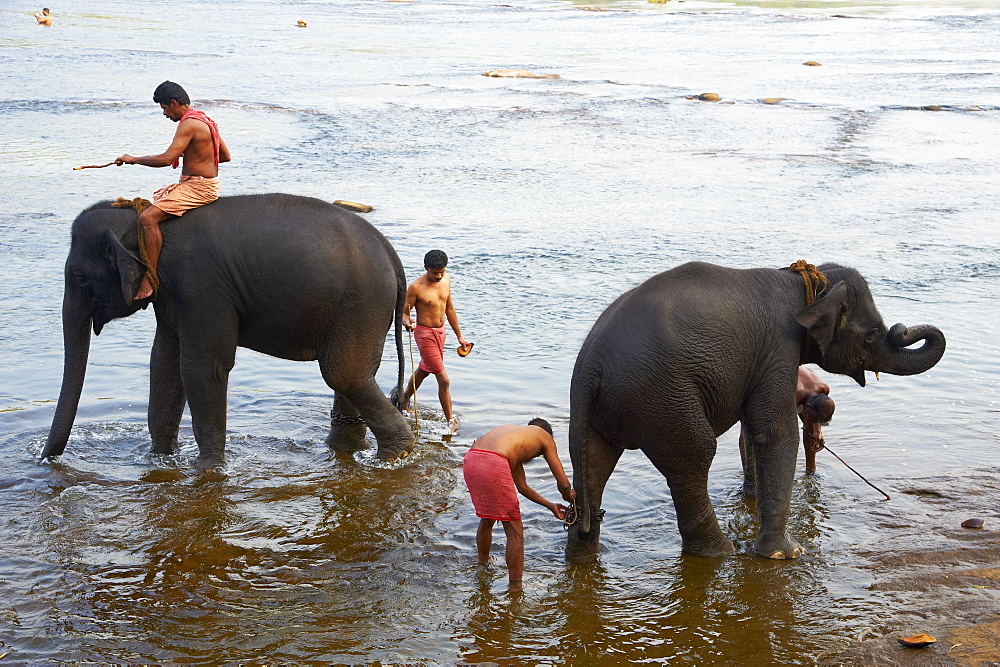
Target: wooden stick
96	166
887	496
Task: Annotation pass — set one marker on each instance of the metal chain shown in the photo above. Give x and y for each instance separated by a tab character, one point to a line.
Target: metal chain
341	418
573	515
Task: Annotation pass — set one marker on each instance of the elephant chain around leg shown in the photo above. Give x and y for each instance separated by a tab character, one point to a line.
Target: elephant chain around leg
337	418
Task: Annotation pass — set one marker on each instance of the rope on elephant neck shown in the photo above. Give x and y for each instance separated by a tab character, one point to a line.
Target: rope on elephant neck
887	496
140	205
815	282
413	381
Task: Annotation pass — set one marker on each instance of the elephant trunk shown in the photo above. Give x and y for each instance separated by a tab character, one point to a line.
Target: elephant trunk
76	342
895	358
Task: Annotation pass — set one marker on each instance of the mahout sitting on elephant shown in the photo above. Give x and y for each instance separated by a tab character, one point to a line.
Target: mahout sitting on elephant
292	277
675	362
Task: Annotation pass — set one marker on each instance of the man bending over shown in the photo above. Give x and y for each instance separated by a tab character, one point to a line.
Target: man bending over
493	469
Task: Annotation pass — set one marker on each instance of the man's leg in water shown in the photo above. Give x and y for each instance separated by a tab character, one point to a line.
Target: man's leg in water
484	540
444	395
514	553
150	220
416	379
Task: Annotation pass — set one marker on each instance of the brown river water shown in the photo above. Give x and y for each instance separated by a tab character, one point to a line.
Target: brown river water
552	197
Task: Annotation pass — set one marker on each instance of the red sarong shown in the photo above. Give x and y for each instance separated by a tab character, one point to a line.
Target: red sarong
212	127
487	475
430	342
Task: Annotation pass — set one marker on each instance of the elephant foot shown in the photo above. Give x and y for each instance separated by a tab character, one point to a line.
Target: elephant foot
390	451
347	437
205	463
715	548
165	450
782	549
582	547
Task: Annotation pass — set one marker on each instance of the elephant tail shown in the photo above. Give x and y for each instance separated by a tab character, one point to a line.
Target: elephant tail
584	392
397	394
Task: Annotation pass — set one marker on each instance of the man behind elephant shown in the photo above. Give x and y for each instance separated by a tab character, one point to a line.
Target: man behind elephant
493	468
815	408
430	294
197	140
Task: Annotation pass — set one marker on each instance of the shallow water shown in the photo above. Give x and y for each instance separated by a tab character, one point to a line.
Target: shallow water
551	197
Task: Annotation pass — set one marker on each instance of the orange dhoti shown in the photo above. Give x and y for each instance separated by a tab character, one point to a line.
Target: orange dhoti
191	192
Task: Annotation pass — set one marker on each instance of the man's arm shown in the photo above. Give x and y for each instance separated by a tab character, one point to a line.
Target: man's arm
449	311
411	301
517	472
555	465
223	151
177	147
812	439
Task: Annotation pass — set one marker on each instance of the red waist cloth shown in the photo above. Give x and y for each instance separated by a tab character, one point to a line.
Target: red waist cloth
487	474
430	342
212	127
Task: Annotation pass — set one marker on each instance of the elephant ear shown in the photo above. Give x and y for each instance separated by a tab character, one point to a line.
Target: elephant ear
130	268
822	318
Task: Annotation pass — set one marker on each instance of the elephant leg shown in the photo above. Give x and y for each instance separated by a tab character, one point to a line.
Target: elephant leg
775	446
206	361
351	376
684	461
166	392
393	434
591	470
347	426
348	362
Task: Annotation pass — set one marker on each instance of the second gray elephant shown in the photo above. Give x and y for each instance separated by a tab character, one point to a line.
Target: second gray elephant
292	277
674	363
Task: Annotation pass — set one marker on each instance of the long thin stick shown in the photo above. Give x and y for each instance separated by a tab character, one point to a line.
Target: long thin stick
887	496
96	166
413	381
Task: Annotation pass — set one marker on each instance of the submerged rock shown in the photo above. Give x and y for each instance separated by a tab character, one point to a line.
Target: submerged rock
708	97
975	522
519	74
811	63
773	100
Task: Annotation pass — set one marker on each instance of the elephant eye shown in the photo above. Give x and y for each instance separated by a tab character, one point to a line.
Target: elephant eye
80	279
872	336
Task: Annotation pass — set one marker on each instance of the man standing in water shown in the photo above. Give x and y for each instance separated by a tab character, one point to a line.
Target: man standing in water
493	469
812	399
815	408
44	18
430	294
197	140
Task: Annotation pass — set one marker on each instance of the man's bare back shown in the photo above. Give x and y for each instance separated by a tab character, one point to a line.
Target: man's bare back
517	443
809	384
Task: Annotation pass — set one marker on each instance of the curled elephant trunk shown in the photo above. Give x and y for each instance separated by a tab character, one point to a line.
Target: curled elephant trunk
76	341
896	358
